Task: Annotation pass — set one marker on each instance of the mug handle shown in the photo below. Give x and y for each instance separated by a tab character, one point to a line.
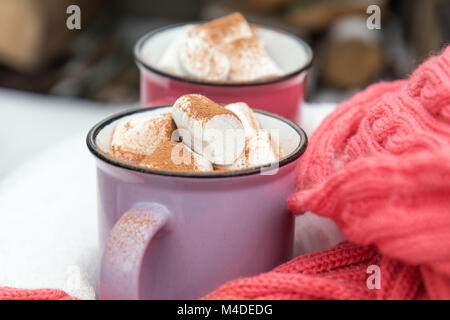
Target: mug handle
125	249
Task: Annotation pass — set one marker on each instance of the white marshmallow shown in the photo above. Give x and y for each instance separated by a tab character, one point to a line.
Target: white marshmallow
201	61
209	129
169	60
260	150
250	61
200	162
223	30
247	117
137	137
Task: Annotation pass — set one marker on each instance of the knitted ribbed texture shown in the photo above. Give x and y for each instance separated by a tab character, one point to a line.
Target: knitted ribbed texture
7	293
379	166
338	273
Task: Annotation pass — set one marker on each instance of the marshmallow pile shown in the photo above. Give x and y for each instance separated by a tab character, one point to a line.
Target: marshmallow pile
225	49
198	135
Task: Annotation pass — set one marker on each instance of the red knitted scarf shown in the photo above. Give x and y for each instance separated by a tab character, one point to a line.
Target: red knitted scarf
7	293
379	166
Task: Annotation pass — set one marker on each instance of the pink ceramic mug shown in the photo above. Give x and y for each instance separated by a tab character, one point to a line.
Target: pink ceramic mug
169	235
283	95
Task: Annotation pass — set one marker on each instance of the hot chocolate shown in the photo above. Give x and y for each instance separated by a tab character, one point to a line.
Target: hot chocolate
225	49
198	135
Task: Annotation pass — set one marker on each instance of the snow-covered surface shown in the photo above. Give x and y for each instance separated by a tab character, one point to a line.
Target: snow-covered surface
31	123
48	229
48	233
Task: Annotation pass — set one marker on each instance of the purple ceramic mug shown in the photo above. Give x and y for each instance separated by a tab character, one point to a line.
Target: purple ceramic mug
175	235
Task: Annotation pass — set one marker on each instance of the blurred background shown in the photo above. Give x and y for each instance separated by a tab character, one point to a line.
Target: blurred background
39	54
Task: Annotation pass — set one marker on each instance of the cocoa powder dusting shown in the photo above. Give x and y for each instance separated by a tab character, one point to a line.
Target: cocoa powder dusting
209	63
216	30
127	156
162	158
242	46
243	53
157	129
201	108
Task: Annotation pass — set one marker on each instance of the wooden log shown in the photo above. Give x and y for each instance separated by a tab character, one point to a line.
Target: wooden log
318	15
34	32
353	55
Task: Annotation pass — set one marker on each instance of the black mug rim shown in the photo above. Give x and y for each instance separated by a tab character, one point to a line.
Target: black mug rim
141	41
95	130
